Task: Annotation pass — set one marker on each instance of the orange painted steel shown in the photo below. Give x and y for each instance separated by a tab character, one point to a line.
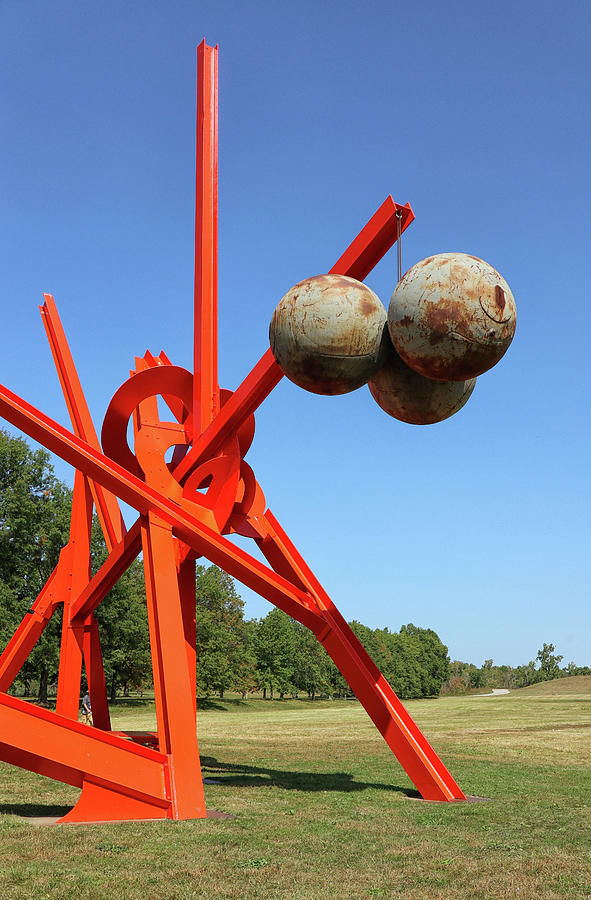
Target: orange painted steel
106	504
206	391
187	508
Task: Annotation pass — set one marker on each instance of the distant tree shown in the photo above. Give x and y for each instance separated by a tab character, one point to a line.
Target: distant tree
526	675
455	686
549	662
415	661
401	663
475	677
338	687
222	658
312	664
245	677
275	653
432	657
573	669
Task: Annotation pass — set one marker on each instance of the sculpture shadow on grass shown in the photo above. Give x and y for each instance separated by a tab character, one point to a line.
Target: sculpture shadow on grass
34	810
237	775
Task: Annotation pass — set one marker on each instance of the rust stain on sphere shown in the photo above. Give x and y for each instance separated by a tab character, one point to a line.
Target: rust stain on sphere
328	334
452	317
412	398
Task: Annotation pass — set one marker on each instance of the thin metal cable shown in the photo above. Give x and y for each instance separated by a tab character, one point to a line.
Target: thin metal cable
399	243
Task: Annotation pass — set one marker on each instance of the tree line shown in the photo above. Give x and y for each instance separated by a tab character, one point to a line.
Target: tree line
274	655
277	656
464	677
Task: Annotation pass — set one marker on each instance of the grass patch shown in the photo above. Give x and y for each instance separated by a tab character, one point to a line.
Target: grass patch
575	685
321	809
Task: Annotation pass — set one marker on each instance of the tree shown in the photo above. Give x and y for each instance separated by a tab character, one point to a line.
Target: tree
224	658
549	663
275	652
245	677
312	664
526	675
573	669
432	658
34	525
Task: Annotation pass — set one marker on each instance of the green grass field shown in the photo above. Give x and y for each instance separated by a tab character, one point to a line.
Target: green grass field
321	809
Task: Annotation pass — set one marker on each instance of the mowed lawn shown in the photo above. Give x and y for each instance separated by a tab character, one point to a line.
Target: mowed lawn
320	808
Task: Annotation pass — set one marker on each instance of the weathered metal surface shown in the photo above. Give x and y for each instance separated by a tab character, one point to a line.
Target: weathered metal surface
327	334
412	398
452	317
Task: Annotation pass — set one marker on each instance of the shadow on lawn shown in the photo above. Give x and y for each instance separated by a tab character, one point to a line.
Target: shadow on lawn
253	776
34	810
222	705
232	774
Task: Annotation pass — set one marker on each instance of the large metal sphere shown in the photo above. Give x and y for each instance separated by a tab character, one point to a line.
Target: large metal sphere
451	317
412	398
328	334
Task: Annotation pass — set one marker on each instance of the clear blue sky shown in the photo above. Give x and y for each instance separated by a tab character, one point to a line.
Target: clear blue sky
476	113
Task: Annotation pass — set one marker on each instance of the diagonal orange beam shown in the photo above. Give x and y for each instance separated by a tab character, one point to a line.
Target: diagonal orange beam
33	624
118	561
106	503
401	733
363	253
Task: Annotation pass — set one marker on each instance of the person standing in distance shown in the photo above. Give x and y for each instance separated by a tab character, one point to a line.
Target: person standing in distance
86	709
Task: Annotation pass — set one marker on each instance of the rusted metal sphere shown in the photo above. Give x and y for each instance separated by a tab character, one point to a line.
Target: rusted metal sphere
328	334
451	317
412	398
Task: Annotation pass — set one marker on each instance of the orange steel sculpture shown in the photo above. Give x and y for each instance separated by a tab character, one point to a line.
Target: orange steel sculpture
186	509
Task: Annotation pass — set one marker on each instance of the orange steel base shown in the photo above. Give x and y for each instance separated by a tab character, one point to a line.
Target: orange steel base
187	508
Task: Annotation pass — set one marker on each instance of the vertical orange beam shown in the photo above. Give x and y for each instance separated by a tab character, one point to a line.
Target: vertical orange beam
186	579
95	673
173	687
71	652
206	390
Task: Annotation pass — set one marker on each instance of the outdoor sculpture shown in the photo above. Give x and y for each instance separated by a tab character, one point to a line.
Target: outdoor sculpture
188	506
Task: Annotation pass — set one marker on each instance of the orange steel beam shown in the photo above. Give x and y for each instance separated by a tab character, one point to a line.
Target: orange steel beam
378	236
360	257
117	562
173	685
95	674
32	625
206	390
170	637
186	581
57	590
132	780
106	504
257	385
71	651
398	729
80	638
